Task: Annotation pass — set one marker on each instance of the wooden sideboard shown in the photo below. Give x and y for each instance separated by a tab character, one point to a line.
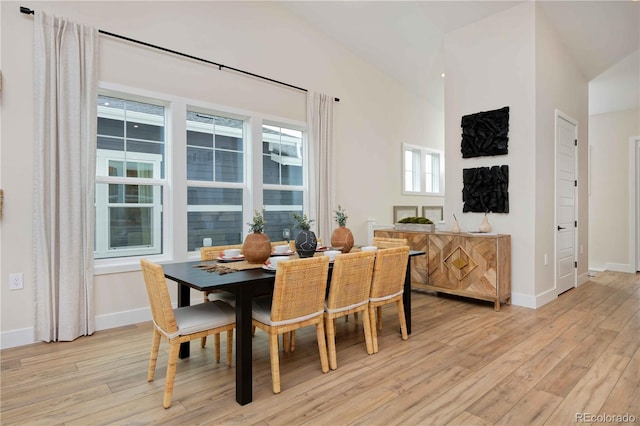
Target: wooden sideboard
470	265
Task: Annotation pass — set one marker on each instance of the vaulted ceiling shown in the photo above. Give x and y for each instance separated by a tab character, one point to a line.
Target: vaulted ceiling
404	39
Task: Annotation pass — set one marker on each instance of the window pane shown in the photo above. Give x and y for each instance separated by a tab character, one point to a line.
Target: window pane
110	127
199	164
229	166
201	139
214	213
130	194
411	171
110	144
145	131
282	156
215	148
280	206
130	227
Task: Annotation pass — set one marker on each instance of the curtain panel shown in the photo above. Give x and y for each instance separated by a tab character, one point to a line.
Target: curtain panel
65	89
321	156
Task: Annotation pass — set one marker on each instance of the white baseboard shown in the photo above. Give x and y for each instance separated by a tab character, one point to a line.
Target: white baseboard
582	278
119	319
25	336
546	297
620	267
13	338
523	300
533	302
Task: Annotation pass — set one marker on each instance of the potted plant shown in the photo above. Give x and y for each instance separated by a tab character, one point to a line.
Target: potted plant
306	241
341	238
257	247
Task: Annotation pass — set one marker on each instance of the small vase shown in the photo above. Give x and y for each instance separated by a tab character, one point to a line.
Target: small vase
485	226
256	248
342	239
306	243
456	227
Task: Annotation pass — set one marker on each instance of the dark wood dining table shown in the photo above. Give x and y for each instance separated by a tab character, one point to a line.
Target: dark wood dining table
245	284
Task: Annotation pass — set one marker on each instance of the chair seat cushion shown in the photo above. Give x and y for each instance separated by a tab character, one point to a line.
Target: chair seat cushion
204	316
261	309
223	296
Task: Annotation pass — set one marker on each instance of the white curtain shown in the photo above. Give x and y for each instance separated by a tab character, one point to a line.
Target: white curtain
65	69
321	162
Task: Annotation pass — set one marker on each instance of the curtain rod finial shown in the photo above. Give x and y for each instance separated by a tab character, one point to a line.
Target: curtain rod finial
26	10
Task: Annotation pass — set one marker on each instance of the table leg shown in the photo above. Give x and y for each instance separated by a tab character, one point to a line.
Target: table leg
184	299
244	350
406	296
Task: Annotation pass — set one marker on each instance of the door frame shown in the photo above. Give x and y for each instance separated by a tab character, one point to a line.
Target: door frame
557	116
634	210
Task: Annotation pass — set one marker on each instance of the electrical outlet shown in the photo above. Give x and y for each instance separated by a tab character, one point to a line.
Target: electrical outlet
16	281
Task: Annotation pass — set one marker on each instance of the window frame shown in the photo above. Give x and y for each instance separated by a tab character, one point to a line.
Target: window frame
419	175
174	195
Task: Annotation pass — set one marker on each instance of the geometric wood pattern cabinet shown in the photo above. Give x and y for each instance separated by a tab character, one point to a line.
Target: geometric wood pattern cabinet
470	265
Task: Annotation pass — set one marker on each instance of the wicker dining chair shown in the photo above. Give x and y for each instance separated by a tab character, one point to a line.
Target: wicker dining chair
181	324
387	286
298	301
385	242
349	294
212	253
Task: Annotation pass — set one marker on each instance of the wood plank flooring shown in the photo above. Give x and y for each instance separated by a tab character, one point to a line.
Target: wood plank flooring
464	364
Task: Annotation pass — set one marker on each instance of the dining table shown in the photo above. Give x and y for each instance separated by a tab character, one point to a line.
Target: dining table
245	284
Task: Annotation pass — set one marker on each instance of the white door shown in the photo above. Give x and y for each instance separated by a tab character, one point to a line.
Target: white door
565	256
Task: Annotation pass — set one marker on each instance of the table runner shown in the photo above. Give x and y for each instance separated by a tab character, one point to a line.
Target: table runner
242	265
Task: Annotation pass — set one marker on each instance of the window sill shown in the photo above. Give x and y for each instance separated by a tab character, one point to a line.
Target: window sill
132	264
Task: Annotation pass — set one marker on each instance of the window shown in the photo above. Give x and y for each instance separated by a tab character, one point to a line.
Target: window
422	171
164	193
129	178
282	177
215	179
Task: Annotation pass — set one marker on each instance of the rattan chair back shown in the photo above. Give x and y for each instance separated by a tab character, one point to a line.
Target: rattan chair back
389	271
300	288
212	253
156	284
384	242
350	280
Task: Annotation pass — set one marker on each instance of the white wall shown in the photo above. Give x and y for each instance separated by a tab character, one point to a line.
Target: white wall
514	59
559	86
375	115
609	232
488	65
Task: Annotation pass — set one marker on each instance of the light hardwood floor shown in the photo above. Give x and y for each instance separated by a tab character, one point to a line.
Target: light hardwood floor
463	364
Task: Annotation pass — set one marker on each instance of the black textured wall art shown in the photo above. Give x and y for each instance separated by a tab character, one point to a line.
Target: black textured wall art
486	189
485	133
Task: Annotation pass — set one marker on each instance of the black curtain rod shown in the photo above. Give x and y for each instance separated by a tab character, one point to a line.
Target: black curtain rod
28	11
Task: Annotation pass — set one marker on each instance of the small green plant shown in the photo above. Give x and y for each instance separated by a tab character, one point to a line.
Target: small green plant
257	225
420	220
340	217
302	221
